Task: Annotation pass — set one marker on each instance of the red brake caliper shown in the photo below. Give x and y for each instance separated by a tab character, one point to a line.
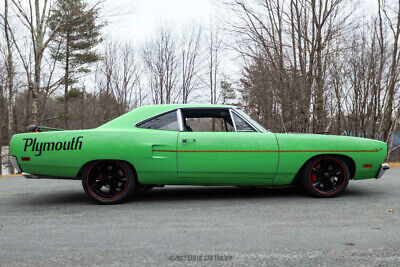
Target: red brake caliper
314	177
100	177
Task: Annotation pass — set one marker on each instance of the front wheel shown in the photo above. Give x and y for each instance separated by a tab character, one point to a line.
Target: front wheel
108	182
326	176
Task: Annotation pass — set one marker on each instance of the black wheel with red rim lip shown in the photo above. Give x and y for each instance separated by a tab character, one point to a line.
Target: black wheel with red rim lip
326	176
108	182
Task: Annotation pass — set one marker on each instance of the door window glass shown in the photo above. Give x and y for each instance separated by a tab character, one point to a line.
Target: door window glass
254	122
208	125
207	120
241	124
167	122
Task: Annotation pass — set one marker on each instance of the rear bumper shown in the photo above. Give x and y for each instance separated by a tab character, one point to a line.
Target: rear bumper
15	164
382	170
30	176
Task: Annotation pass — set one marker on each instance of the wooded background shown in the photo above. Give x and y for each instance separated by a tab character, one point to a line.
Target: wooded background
315	66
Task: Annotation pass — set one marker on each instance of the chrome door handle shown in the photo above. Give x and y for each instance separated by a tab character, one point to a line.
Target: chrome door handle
185	141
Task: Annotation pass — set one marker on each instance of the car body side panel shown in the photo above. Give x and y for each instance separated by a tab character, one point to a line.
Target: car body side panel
63	153
44	153
297	149
227	155
134	146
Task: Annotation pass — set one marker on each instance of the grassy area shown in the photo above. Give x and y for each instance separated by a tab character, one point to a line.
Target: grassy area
394	164
10	175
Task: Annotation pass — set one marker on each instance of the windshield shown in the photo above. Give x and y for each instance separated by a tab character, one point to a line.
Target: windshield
247	117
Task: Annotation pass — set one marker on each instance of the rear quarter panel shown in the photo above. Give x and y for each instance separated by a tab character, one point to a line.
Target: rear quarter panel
133	146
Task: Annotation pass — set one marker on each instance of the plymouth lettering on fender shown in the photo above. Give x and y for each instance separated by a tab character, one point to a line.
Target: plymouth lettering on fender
31	143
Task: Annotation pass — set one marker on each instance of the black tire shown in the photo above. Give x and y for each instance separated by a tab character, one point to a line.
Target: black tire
325	176
108	182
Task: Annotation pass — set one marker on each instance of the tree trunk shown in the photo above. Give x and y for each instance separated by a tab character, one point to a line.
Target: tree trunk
1	158
10	81
394	75
10	73
35	90
66	77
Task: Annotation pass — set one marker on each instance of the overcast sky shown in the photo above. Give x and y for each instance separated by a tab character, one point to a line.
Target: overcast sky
135	20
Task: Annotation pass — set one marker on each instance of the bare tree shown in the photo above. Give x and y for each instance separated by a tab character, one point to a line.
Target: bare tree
291	41
10	75
326	24
127	81
9	69
35	18
393	21
214	50
160	57
190	66
3	104
122	76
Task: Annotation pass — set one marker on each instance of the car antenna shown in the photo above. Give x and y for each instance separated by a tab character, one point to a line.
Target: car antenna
280	115
283	124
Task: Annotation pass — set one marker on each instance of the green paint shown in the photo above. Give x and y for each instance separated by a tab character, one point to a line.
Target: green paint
160	157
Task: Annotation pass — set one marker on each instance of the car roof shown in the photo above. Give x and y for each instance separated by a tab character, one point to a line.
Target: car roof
144	112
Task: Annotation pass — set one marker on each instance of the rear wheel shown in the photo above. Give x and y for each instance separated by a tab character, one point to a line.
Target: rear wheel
108	182
326	176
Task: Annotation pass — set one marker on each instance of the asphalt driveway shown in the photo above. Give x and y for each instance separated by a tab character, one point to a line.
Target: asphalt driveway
48	222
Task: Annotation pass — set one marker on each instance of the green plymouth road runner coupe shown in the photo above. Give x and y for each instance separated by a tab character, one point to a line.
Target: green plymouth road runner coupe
193	145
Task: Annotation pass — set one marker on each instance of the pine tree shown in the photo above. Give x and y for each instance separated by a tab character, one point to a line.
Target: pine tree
227	92
74	42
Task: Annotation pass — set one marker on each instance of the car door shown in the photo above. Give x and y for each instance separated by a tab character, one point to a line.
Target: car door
246	153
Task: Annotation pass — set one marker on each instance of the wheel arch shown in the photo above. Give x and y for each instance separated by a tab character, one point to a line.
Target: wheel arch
82	168
347	160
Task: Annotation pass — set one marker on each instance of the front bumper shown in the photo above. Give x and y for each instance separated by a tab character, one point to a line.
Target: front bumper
15	164
382	170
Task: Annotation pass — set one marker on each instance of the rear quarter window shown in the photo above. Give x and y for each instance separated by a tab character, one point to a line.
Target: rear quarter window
168	122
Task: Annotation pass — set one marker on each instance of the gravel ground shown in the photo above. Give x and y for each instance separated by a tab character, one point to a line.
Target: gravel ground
49	222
